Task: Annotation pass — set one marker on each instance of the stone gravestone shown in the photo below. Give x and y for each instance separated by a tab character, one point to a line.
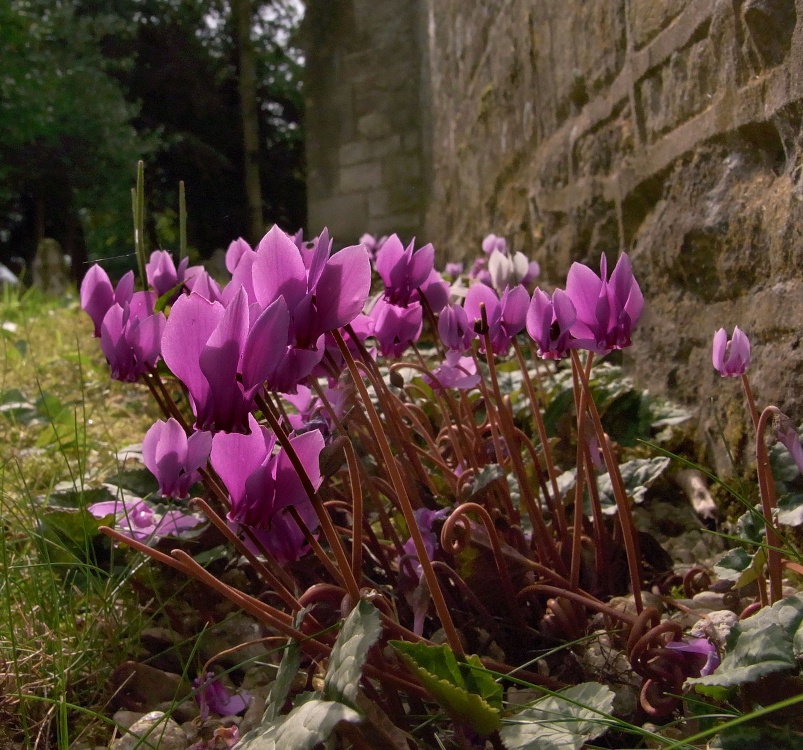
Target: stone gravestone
51	268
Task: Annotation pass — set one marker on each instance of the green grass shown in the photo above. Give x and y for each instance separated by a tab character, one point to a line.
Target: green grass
68	615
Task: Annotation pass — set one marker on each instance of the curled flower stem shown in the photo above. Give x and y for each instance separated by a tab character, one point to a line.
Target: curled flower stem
326	522
560	518
181	561
163	399
458	515
357	511
404	501
751	402
622	502
582	598
315	546
766	485
262	570
545	541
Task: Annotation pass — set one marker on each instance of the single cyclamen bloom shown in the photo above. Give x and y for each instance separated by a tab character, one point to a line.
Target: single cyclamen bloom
701	651
322	293
212	695
786	434
454	328
731	358
222	357
98	295
262	485
507	270
173	458
453	270
404	272
162	273
396	327
549	323
607	309
136	519
456	371
328	293
493	242
506	316
130	337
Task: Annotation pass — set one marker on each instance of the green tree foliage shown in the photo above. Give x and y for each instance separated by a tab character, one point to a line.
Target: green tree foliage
90	86
66	140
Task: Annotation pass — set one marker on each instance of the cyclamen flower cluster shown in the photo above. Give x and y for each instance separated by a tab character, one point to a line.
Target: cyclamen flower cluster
270	329
266	329
594	312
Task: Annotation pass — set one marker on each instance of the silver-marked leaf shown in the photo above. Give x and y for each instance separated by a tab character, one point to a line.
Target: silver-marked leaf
288	669
302	729
561	722
360	631
769	641
637	476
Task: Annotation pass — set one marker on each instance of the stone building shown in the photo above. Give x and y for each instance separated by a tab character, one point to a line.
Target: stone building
667	128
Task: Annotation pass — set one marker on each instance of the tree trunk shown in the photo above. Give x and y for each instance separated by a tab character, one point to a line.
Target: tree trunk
247	85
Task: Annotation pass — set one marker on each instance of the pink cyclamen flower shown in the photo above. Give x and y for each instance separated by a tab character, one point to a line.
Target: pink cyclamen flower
212	695
395	327
549	323
322	291
607	309
98	295
786	434
731	358
263	484
456	371
494	242
404	271
453	270
454	328
702	653
222	357
173	458
162	273
130	336
506	316
138	520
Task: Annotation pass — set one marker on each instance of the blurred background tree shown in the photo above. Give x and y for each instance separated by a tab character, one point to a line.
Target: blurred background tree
90	86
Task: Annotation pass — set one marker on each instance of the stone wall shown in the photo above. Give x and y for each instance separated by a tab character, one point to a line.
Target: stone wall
366	159
667	128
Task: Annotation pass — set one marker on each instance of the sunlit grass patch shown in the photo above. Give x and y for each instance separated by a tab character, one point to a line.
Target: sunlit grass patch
61	590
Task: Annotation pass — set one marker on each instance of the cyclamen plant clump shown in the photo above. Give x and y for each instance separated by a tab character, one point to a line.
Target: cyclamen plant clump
407	495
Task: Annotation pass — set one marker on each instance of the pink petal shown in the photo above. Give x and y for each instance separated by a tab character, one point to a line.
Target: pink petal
279	270
343	288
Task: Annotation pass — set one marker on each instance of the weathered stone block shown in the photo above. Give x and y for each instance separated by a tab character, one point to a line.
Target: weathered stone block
344	215
360	177
374	125
680	89
647	18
